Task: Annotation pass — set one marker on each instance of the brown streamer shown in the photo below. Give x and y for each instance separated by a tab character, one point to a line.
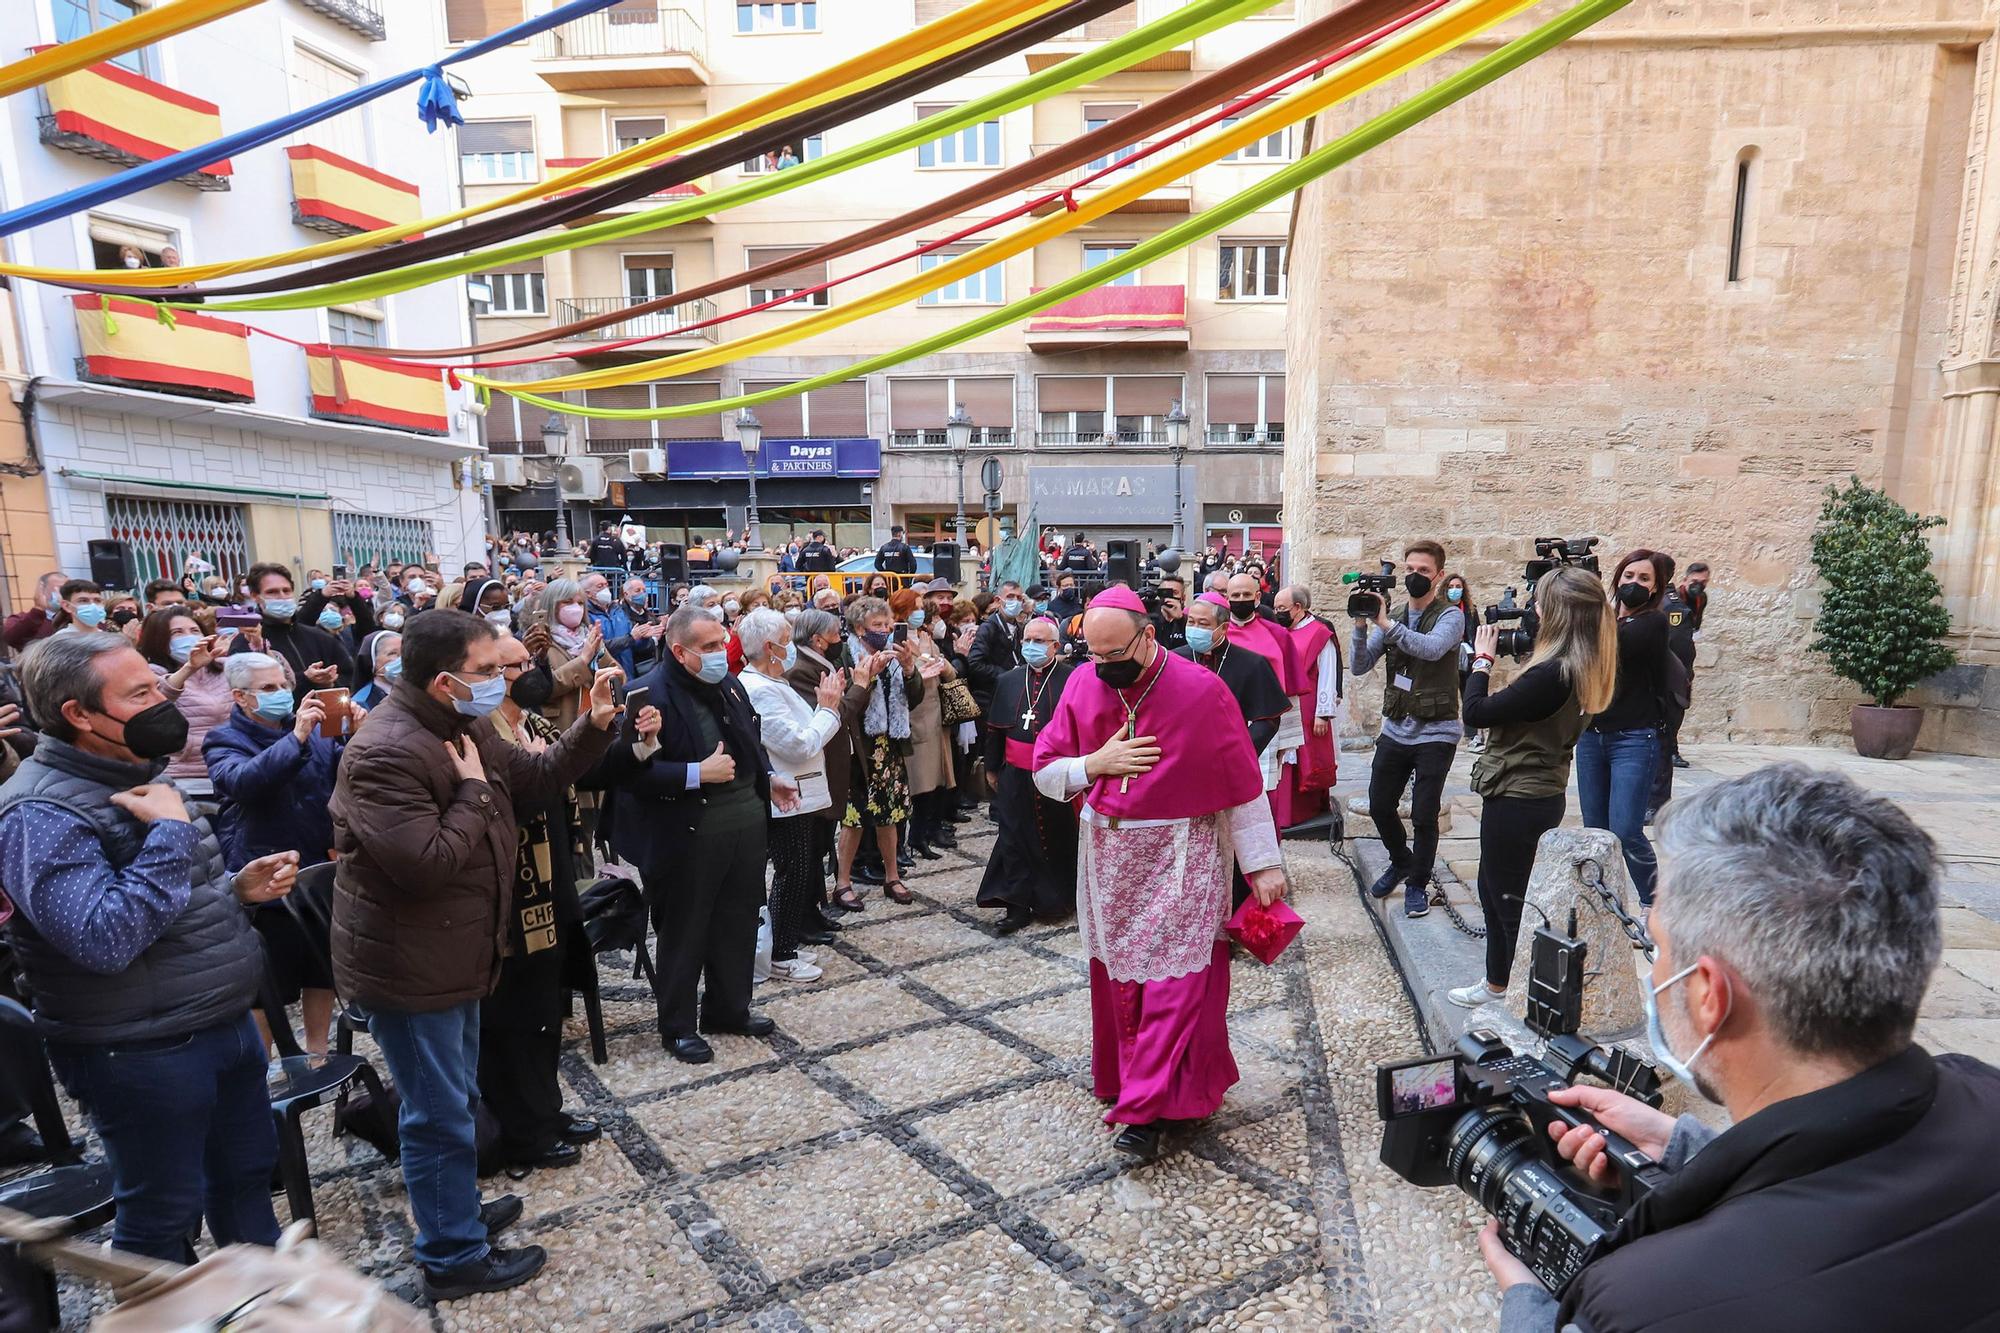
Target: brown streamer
1296	48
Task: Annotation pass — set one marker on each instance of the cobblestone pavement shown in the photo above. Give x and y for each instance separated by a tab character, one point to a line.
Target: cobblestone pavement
917	1148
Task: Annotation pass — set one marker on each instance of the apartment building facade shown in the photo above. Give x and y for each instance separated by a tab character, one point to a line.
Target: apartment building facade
209	438
1074	403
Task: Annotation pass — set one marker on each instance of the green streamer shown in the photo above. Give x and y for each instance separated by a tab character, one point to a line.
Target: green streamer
1371	134
1184	25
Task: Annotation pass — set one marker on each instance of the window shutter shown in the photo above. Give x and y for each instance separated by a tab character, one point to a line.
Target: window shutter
989	402
930	11
1070	393
1115	24
918	404
525	266
812	275
1274	400
502	426
624	397
1144	395
783	419
649	261
1232	399
840	410
674	393
496	136
1107	110
470	20
640	127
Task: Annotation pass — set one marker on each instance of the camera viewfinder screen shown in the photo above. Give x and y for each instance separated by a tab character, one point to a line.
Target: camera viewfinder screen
1424	1087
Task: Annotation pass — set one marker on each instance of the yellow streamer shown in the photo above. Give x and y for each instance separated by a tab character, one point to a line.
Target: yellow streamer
924	46
1405	51
143	29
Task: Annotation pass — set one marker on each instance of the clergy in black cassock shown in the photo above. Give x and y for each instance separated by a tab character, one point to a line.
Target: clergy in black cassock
1032	872
1249	677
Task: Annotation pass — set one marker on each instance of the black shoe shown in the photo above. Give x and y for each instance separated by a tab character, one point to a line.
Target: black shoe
579	1129
870	875
1386	885
1416	902
905	858
964	815
21	1146
823	924
689	1050
1142	1141
756	1025
561	1155
496	1215
944	835
928	852
498	1271
816	937
1016	918
1681	763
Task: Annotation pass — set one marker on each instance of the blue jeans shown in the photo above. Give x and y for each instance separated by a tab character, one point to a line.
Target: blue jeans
1614	781
434	1058
186	1124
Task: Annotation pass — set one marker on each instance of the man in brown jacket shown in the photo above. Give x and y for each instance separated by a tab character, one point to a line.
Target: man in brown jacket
424	825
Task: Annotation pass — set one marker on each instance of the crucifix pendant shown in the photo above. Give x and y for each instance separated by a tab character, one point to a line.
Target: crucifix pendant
1028	719
1125	783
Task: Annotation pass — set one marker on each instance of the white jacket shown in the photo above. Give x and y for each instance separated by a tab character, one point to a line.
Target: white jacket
795	734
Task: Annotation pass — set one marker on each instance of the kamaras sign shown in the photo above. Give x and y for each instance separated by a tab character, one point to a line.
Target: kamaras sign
1086	495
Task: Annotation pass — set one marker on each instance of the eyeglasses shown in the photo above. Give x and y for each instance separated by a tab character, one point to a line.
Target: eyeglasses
1122	653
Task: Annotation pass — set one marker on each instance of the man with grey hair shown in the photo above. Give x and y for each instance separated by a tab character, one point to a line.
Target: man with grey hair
132	939
1796	924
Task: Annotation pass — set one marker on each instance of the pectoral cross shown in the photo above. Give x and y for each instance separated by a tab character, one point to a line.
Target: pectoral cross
1028	718
1131	730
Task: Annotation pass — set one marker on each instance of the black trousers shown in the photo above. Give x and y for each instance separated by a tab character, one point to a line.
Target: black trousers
1670	748
518	1083
1509	829
705	916
798	881
1390	772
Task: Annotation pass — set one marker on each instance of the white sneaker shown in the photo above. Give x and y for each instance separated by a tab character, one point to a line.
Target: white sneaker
806	956
794	969
1465	997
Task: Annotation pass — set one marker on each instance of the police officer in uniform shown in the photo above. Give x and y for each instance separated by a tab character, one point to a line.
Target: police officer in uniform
895	556
816	557
1079	558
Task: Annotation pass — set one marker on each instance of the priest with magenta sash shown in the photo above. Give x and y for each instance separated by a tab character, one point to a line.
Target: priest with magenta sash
1172	804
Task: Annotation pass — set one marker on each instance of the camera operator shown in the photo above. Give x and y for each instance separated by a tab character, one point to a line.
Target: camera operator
1420	726
1523	773
1856	1189
1170	621
1617	756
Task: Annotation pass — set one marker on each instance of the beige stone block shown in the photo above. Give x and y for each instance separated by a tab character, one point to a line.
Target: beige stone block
1487	440
1399	439
1395	465
1766	572
1773	714
1441	441
1709	465
1603	465
1335	464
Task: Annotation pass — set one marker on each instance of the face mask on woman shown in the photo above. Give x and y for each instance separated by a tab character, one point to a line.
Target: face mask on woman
329	620
1632	596
1454	594
394	620
917	618
569	615
502	620
181	646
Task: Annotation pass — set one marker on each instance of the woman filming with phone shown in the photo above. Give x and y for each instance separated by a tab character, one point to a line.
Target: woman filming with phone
1532	730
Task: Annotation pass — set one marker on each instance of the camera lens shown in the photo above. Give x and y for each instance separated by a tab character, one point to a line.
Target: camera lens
1492	1155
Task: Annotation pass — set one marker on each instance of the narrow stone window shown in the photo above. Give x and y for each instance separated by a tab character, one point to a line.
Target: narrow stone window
1740	215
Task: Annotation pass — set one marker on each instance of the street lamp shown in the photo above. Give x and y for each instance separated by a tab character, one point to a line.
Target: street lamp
1177	433
958	434
555	439
751	432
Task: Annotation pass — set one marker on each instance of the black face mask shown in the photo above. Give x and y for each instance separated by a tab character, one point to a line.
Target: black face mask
1243	611
532	688
156	732
1417	585
1120	674
876	639
1633	595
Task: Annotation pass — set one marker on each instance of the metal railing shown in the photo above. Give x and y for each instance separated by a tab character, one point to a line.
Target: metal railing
364	16
669	323
1102	29
1119	160
622	32
1104	437
1273	434
982	436
617	445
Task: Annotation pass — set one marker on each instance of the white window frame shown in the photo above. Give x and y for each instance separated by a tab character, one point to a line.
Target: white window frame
612	122
1110	249
351	312
358	126
986	140
768	19
625	282
533	286
756	296
1262	431
990	436
1117	157
1273	147
1256	245
811	149
988	286
143	61
170	229
523	160
1142	431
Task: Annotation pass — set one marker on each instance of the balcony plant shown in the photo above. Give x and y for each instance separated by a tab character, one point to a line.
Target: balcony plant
1882	620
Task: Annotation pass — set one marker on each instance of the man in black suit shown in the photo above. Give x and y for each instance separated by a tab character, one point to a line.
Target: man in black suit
816	557
690	810
895	556
996	649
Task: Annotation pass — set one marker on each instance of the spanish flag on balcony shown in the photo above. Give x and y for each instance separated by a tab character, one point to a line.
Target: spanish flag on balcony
127	342
107	111
373	393
340	196
1110	308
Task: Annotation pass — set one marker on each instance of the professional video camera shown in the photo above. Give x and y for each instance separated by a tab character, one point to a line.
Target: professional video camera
1479	1118
1550	553
1369	589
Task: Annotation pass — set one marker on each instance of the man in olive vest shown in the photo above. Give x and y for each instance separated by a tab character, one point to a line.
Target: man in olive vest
1420	727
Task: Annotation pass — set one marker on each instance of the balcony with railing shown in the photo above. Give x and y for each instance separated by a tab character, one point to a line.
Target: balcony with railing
364	16
109	113
983	437
668	324
694	189
1107	438
1153	316
624	48
1104	28
1173	197
1273	434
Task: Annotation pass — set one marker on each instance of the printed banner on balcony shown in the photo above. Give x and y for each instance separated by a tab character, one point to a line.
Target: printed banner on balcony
1092	495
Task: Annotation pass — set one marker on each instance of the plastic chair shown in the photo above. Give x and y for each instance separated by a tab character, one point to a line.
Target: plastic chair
73	1192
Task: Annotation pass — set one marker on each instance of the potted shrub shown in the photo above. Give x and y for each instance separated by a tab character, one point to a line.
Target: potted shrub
1881	618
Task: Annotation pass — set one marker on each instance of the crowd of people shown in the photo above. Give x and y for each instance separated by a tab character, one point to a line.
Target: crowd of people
469	751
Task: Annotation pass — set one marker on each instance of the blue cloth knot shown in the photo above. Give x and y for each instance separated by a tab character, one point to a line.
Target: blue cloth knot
436	102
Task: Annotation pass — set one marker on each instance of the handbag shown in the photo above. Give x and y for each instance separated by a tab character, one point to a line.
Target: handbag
955	698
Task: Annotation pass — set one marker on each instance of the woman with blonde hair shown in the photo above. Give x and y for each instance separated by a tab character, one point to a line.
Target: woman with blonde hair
1532	728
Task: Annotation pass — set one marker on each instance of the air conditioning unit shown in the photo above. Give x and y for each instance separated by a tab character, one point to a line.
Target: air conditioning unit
581	479
505	470
647	462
